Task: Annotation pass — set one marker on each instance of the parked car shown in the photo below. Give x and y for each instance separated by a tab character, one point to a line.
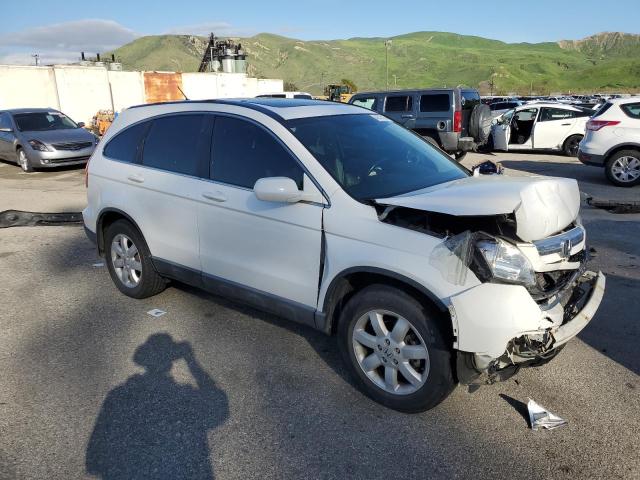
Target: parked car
43	138
540	126
453	119
336	217
498	108
300	95
612	141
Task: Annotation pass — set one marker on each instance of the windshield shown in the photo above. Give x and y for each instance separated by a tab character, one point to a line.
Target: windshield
40	121
372	157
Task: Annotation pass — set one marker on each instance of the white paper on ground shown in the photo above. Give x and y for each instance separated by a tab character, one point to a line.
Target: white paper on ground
540	417
156	312
98	264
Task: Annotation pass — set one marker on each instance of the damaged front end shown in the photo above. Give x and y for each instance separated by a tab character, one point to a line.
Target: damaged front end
534	292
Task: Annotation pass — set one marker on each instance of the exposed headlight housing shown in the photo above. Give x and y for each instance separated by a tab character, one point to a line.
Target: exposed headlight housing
506	262
39	146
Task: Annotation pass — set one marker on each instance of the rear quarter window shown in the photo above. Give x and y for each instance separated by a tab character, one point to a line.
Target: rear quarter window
125	145
631	110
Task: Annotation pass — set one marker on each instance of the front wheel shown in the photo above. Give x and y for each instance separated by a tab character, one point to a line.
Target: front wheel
571	145
23	161
395	350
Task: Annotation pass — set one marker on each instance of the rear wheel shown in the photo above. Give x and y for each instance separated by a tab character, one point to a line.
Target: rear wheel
395	350
129	261
623	168
571	145
23	161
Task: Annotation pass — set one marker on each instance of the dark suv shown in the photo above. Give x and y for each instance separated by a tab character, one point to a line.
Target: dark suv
454	119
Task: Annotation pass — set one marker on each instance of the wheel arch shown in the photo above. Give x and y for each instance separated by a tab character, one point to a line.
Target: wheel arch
351	280
619	147
108	216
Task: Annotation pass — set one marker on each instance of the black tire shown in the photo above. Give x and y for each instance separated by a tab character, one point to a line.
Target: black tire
612	163
433	142
439	380
459	156
25	164
570	146
150	283
480	123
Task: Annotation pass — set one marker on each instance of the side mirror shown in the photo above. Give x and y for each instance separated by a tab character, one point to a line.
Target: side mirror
6	129
277	189
81	124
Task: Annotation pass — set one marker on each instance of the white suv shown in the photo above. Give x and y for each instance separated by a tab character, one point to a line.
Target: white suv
612	141
336	217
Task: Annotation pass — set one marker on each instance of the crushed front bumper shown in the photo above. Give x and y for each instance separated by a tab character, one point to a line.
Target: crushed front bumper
528	346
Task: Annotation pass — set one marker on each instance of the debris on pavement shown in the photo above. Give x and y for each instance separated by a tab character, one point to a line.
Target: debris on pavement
98	264
540	417
156	312
18	218
615	206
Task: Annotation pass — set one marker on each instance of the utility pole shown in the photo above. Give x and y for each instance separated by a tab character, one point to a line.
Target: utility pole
37	58
395	80
387	45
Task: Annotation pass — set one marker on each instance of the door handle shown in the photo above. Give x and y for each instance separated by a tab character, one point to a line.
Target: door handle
565	124
136	178
407	116
215	196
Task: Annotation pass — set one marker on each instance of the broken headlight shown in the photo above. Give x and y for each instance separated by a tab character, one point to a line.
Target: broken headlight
506	262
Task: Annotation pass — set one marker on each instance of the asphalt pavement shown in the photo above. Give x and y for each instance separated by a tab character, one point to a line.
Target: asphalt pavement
82	373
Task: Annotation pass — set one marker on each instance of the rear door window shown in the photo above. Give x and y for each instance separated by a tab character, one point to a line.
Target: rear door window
631	109
551	114
366	102
438	102
176	143
399	103
243	152
125	145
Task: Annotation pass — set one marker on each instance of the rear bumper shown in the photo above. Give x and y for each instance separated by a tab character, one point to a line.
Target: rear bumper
591	159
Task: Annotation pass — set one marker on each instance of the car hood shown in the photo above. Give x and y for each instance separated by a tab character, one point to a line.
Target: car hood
542	205
59	136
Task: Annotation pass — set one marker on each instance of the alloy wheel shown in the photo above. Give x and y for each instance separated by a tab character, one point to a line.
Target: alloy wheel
391	352
626	169
23	161
126	261
574	145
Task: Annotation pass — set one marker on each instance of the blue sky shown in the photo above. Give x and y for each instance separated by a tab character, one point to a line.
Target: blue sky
58	30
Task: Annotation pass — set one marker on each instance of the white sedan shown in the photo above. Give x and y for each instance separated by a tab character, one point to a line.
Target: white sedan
540	126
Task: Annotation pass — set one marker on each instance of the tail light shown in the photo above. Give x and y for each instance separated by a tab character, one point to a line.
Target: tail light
457	121
86	174
595	125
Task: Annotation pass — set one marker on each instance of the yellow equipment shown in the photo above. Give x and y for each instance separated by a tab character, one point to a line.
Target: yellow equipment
338	93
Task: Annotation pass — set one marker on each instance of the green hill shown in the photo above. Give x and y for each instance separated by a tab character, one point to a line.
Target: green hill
603	62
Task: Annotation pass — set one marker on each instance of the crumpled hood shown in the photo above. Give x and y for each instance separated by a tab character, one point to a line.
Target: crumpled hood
542	205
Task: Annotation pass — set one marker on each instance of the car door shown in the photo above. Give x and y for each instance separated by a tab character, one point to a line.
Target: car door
267	253
553	126
157	185
501	131
7	135
400	109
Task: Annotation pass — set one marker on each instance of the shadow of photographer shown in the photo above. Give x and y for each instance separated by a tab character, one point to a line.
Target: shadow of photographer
152	427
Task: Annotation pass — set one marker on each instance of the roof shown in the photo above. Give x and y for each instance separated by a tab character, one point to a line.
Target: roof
28	110
279	108
411	90
548	104
617	101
